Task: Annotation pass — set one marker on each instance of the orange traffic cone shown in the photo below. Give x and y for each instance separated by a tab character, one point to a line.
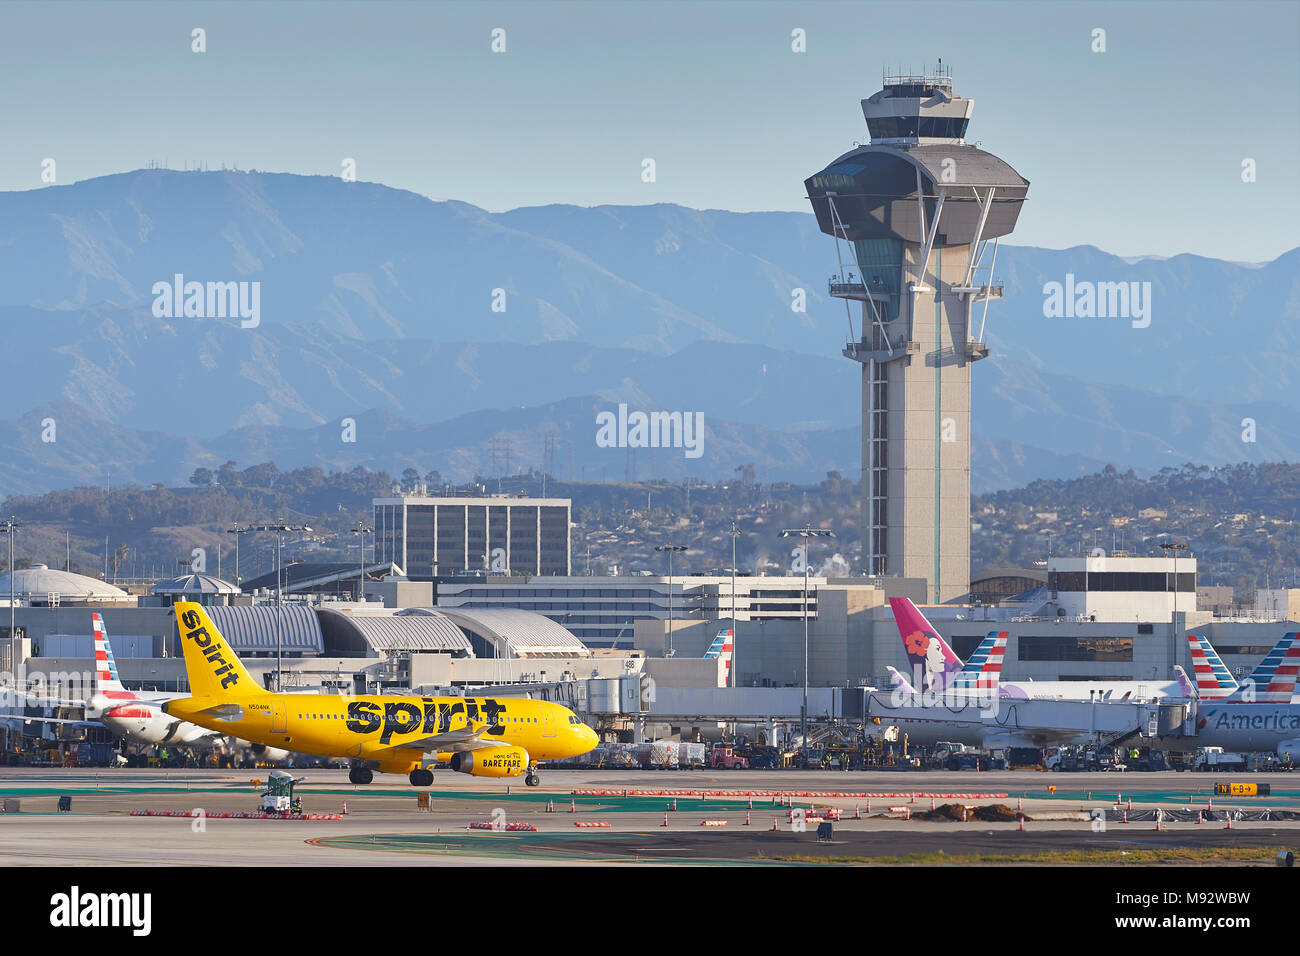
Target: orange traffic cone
345	806
573	805
550	805
746	818
665	823
1021	828
774	823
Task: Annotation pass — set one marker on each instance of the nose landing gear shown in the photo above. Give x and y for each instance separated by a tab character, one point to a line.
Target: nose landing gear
531	779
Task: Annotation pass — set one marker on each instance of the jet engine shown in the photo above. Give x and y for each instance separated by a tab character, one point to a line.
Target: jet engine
491	762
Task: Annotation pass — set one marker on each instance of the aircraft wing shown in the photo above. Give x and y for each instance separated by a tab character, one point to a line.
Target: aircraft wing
453	741
14	718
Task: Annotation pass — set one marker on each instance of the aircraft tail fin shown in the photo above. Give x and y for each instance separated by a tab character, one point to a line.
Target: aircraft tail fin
211	665
105	678
1213	679
901	683
928	654
1185	683
1273	681
723	646
983	669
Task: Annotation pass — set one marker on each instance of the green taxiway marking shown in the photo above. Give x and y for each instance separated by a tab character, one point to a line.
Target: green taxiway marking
605	804
1279	798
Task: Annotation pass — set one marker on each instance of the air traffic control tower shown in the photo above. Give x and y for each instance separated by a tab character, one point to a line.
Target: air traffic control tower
916	217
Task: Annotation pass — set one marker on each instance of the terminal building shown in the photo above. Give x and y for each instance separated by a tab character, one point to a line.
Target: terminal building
604	611
394	646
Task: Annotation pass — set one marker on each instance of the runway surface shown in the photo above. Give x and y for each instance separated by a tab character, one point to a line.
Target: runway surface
384	826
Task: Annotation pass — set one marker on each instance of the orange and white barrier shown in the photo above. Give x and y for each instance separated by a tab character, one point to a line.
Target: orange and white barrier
481	825
591	823
189	814
787	794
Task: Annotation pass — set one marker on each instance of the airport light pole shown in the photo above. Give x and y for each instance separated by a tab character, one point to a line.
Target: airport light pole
237	531
805	534
735	624
1175	547
362	531
280	529
9	527
671	549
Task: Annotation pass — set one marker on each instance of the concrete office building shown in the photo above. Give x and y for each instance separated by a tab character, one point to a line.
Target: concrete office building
427	537
1121	589
916	216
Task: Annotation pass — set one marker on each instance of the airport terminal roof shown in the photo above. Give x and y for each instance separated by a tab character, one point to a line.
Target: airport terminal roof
391	632
1033	574
253	629
305	575
40	584
512	633
195	584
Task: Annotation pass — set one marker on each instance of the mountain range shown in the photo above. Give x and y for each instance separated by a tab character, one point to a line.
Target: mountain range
455	338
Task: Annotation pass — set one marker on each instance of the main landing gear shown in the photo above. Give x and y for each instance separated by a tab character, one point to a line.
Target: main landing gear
531	779
360	775
421	777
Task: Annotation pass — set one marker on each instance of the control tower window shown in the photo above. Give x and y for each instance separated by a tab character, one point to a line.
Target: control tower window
892	127
881	261
907	127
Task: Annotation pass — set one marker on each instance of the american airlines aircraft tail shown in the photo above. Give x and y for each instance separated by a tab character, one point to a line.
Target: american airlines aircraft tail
105	682
722	647
1213	681
1273	681
983	669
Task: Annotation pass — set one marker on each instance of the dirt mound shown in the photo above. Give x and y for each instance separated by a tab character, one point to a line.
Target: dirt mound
998	813
945	811
950	812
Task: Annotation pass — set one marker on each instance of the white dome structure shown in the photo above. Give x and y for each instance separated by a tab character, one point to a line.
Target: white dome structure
43	586
204	588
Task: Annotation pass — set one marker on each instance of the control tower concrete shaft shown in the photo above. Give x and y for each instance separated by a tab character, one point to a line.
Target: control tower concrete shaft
916	217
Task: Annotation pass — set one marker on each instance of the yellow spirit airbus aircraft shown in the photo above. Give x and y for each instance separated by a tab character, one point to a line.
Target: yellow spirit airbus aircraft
483	736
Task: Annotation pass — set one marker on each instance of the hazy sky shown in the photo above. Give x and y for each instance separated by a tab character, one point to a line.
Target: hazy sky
1137	150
